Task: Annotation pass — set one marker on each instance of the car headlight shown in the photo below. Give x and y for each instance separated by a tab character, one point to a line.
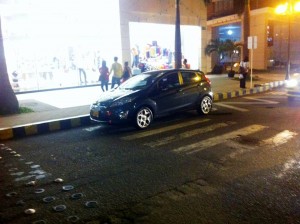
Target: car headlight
121	102
94	105
291	83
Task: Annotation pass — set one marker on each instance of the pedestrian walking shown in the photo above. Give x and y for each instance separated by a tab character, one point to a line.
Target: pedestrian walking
243	70
117	70
104	76
126	72
135	56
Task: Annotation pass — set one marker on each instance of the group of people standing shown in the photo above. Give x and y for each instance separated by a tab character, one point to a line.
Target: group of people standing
120	74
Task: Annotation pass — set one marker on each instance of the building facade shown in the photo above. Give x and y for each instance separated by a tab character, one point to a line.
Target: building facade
225	21
62	43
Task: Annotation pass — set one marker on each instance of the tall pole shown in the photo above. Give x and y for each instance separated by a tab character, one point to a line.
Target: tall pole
288	64
178	63
246	29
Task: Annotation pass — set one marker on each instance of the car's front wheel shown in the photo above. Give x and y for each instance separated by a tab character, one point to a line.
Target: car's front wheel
143	118
205	105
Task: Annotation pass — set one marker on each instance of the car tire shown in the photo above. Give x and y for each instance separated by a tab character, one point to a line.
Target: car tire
143	118
205	105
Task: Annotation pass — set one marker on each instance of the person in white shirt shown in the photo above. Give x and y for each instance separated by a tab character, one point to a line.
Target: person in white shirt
244	68
117	70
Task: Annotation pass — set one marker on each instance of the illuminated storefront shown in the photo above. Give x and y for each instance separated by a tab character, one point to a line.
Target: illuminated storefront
155	44
61	43
47	42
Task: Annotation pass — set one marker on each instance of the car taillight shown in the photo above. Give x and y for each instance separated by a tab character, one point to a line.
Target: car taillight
207	79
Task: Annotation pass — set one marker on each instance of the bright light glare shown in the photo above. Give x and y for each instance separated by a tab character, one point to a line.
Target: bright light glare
297	7
236	64
285	8
291	83
281	9
229	32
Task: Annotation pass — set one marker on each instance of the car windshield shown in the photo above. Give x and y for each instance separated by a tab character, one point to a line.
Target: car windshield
138	82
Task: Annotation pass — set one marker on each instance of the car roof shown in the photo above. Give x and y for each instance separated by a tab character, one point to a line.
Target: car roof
171	70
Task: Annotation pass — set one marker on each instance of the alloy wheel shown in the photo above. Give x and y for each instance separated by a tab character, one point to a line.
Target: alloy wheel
205	105
144	117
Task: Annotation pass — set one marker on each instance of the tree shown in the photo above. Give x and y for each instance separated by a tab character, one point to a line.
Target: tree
222	48
217	47
8	100
231	48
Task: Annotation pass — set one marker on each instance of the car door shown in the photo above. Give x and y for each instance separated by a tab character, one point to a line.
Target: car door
169	96
190	87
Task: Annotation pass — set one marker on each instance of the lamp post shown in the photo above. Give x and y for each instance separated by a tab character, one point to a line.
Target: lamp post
177	37
288	9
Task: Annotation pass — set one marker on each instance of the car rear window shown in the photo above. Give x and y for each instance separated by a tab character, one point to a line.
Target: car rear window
190	77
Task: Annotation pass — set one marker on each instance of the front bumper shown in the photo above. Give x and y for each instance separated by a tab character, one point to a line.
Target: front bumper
109	115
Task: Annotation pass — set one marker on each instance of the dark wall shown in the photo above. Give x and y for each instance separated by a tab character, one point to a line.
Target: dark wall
237	7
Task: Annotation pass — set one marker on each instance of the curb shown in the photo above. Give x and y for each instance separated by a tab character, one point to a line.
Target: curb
84	120
257	89
44	127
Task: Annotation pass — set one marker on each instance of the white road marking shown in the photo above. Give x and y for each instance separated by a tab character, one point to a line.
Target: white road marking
90	129
279	139
196	147
231	107
258	101
276	140
261	100
291	164
187	134
161	130
239	149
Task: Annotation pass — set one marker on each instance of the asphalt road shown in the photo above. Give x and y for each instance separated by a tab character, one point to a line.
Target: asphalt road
237	165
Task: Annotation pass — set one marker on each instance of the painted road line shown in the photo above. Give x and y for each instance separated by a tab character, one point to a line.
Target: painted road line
206	143
231	107
261	100
238	148
161	130
291	164
250	103
187	134
279	139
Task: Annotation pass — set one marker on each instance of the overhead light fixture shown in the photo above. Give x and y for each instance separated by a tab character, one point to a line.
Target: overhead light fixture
229	32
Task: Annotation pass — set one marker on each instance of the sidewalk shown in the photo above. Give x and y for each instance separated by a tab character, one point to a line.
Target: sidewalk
68	108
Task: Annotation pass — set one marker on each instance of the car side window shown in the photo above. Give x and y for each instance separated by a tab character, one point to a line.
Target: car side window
190	77
169	81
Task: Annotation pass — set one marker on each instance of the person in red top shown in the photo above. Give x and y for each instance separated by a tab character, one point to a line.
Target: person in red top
185	64
104	76
126	72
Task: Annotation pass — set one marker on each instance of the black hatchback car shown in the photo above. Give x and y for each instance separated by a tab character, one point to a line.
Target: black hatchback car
149	95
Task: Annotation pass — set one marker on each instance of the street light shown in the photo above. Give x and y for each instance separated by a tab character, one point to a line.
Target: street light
288	9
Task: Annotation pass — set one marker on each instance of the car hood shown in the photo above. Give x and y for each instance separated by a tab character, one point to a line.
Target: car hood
116	94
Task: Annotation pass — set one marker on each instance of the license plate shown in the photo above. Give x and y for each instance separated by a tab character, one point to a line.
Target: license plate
95	113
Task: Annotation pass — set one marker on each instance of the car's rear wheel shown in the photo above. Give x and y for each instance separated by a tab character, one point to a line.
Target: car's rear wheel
143	118
205	105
